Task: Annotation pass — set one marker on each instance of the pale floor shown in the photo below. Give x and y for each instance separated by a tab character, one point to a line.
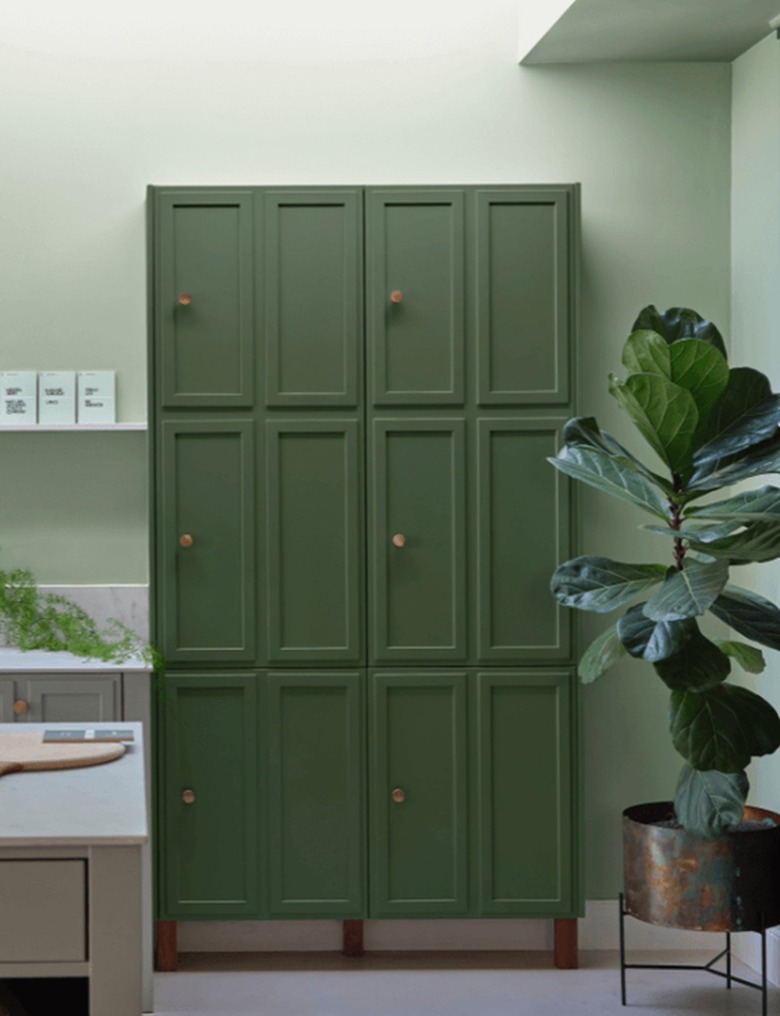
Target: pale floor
446	984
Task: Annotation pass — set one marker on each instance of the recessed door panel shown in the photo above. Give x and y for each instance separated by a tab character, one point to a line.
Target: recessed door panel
524	819
416	297
522	300
419	826
316	788
205	301
418	540
72	699
207	548
312	297
315	540
210	797
523	534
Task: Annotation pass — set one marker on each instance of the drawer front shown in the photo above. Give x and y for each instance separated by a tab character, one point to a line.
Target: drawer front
43	911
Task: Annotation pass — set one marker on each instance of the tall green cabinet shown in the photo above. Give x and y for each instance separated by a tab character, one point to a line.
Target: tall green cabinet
369	707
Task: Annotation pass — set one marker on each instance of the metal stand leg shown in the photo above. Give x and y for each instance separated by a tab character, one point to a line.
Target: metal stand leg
728	960
622	951
728	975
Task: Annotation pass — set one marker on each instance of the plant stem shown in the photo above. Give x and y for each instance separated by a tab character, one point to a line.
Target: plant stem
679	549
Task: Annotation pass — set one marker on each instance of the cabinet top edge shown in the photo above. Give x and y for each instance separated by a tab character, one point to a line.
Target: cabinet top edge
14	660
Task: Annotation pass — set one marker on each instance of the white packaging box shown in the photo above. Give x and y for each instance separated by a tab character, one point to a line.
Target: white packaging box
18	397
56	396
97	396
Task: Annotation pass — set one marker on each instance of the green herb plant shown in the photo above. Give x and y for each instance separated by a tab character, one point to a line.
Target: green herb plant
713	427
31	619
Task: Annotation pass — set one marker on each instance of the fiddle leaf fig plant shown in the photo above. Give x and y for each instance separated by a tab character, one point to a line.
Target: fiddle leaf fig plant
712	426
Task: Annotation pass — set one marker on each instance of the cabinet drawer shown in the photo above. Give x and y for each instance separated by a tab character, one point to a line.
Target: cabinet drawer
43	906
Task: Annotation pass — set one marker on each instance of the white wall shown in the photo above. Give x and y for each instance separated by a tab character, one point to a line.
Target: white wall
756	299
97	105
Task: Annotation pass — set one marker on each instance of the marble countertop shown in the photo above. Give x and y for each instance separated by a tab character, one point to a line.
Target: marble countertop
101	805
39	660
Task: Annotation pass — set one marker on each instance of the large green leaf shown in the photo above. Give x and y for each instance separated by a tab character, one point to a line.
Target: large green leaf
749	614
763	458
679	323
584	430
723	728
750	505
710	803
665	414
653	640
746	414
688	591
699	665
758	541
704	372
748	657
647	353
697	534
599	584
600	655
611	476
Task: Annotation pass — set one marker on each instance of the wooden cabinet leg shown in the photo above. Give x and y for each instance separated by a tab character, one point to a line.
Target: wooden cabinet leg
353	938
565	947
165	954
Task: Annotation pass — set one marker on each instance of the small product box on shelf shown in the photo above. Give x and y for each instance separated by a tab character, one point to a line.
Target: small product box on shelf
97	396
18	398
56	396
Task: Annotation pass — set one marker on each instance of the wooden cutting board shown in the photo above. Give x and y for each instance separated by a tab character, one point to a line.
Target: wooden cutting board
25	751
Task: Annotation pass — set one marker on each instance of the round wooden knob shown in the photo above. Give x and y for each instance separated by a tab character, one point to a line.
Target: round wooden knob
188	796
396	296
186	540
398	795
21	707
185	299
399	540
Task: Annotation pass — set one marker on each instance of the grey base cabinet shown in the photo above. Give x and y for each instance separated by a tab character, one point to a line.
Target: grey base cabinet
370	707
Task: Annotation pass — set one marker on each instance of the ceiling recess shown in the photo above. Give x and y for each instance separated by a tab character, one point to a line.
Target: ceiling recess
592	31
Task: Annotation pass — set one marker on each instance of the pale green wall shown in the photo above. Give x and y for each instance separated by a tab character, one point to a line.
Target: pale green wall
756	298
356	93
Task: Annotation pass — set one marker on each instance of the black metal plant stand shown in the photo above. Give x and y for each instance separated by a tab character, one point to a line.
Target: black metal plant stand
727	975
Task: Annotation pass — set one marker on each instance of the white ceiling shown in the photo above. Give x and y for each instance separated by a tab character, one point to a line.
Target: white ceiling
631	30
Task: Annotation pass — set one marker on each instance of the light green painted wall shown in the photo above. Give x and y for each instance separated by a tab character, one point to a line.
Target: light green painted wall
755	209
349	93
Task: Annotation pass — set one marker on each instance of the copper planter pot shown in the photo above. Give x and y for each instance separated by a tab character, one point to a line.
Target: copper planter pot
678	880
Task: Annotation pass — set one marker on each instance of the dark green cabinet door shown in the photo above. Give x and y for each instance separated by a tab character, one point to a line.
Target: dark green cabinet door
209	856
313	297
204	302
523	533
316	824
206	554
525	792
418	540
523	295
416	295
314	552
418	794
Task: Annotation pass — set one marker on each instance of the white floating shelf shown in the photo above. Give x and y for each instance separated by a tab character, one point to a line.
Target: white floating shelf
30	427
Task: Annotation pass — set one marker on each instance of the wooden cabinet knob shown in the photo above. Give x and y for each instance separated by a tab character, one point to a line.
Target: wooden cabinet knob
396	296
399	540
21	707
186	540
398	795
185	299
188	796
